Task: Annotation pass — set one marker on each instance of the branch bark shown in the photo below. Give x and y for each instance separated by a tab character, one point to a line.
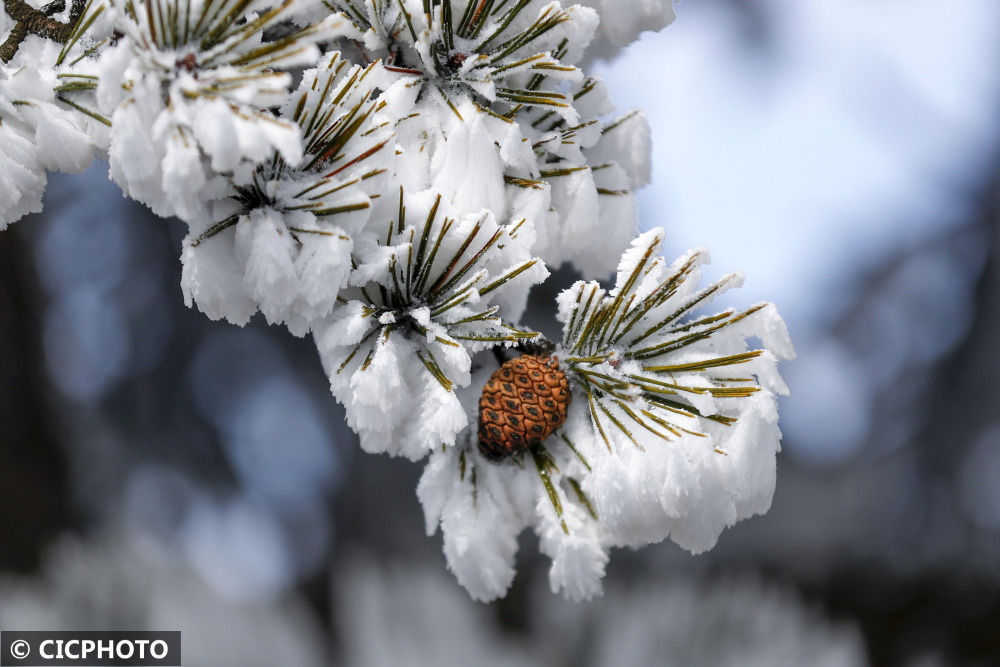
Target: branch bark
38	22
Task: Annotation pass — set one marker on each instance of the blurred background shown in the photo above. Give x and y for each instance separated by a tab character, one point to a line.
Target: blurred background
163	471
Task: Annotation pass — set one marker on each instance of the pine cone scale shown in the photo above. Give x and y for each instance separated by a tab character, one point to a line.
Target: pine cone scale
524	401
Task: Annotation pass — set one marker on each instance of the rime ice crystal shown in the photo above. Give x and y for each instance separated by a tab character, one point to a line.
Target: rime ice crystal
190	101
633	17
46	117
421	304
282	241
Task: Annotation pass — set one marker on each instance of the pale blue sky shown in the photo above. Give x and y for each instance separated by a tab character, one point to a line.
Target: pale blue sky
854	130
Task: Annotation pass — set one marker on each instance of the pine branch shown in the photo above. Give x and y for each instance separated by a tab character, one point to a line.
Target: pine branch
624	345
38	22
437	275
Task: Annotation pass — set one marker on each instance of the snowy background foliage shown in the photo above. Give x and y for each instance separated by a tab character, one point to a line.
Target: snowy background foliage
393	178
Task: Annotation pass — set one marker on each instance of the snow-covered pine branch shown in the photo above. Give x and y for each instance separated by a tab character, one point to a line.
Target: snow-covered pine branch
422	303
392	177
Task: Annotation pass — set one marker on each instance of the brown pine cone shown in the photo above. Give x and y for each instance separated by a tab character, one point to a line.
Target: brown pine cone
524	401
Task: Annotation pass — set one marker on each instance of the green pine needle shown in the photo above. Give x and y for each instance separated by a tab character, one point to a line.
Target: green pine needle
621	352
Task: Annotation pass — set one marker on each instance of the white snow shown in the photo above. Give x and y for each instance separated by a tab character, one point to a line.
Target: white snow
399	204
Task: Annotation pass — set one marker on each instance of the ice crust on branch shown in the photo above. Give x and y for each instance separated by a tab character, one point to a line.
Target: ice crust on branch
393	178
